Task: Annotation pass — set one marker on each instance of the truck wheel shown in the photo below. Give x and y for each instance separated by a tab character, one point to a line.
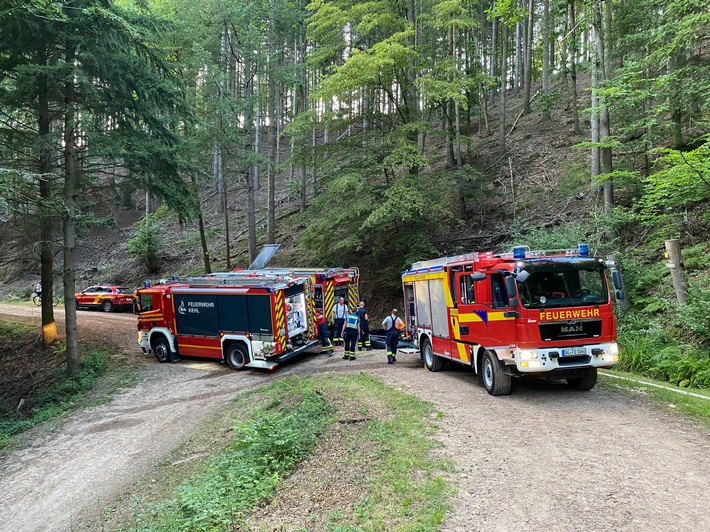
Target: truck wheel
585	382
237	356
161	348
107	306
494	378
431	361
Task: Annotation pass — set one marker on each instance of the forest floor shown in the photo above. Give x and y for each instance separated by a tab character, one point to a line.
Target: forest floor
545	457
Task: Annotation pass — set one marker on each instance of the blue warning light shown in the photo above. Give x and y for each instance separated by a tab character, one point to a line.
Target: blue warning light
583	250
519	252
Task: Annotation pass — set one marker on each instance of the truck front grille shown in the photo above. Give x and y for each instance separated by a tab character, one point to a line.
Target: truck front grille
570	330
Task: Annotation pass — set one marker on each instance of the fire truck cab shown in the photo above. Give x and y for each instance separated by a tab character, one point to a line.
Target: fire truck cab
547	313
256	321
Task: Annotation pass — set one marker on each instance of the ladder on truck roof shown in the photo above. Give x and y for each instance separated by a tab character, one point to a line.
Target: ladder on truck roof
267	281
443	261
289	272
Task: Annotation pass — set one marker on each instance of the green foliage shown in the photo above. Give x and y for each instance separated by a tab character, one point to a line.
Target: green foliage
681	180
564	236
289	420
268	445
356	221
145	243
58	393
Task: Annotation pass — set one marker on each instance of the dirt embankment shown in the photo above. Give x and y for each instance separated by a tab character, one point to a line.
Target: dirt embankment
543	458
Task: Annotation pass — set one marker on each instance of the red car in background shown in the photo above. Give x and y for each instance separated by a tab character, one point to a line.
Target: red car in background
106	297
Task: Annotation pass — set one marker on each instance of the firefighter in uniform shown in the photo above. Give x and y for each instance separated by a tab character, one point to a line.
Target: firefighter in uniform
350	331
340	311
324	335
393	325
364	340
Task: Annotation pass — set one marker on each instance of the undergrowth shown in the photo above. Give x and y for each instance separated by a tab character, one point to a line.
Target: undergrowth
52	391
285	425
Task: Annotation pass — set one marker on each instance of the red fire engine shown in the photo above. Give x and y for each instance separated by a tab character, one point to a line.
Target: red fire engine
547	313
257	320
329	283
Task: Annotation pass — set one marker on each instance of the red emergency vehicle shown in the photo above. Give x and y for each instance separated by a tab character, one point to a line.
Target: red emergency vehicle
547	313
256	321
329	284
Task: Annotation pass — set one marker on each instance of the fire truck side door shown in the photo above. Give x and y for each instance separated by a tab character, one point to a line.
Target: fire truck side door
497	330
469	326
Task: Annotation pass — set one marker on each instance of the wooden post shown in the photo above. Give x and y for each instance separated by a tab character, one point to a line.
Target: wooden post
675	263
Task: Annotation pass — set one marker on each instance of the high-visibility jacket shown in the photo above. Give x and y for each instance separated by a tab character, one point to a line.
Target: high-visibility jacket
352	321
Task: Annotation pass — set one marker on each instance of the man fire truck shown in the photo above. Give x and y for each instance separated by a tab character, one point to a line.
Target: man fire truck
251	322
547	313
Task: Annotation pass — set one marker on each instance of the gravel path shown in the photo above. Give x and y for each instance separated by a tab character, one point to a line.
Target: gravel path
544	457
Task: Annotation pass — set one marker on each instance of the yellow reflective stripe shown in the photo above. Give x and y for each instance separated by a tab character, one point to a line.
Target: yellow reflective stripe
201	346
471	318
498	316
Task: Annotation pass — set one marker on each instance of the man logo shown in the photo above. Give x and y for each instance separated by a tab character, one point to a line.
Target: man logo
572	328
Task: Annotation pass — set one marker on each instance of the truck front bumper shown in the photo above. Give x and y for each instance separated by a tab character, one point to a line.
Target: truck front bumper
144	341
560	358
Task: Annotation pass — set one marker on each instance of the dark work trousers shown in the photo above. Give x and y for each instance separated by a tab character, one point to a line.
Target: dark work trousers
392	341
324	336
364	335
350	341
337	329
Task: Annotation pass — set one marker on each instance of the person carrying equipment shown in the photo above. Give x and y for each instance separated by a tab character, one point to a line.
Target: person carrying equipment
393	325
324	335
364	339
340	310
351	331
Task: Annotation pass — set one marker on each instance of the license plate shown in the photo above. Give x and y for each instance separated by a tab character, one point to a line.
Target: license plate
573	351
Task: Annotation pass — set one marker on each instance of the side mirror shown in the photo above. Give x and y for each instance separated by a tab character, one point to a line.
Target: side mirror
510	288
522	276
616	277
478	276
620	295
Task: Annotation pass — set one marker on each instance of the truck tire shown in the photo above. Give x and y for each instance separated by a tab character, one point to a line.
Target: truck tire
107	306
161	348
494	378
585	382
237	356
431	361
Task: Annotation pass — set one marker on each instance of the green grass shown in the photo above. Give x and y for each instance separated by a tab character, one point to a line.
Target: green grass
353	424
695	407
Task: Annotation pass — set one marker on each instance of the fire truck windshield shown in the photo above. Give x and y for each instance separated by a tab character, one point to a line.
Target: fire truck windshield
563	285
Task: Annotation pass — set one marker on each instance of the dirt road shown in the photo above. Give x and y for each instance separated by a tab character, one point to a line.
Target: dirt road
543	458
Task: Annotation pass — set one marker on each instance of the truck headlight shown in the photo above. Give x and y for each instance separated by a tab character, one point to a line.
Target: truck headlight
527	355
614	349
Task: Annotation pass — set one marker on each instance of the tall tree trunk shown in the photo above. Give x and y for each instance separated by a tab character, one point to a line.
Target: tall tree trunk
518	56
503	90
271	202
546	48
257	134
201	228
71	177
494	57
49	326
573	65
604	125
249	77
527	74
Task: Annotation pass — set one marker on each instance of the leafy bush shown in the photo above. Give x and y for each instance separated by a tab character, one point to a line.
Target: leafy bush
269	444
60	395
145	243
